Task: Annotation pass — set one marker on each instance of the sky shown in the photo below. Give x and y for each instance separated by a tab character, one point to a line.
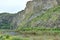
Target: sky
12	6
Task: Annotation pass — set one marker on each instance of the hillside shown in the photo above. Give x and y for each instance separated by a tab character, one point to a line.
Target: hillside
40	20
41	13
38	13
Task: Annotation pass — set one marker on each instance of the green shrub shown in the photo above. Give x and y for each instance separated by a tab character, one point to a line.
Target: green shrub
7	36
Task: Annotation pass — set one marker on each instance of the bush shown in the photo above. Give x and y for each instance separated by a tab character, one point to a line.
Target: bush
7	36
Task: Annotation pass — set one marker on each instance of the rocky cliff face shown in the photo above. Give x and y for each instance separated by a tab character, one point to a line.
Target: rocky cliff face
37	5
36	8
38	13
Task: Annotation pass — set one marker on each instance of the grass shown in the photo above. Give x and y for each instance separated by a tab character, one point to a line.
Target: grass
40	36
8	37
33	33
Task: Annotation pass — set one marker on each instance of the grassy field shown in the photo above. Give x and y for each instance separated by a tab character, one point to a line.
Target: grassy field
41	36
33	34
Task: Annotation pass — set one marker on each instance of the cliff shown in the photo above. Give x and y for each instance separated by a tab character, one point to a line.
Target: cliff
38	13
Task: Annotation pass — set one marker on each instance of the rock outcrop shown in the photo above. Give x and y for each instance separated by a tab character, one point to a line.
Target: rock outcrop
38	13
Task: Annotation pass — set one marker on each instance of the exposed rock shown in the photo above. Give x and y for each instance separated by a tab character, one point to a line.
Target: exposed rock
33	15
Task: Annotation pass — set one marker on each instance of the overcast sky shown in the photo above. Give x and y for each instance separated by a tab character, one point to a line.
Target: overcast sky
12	6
